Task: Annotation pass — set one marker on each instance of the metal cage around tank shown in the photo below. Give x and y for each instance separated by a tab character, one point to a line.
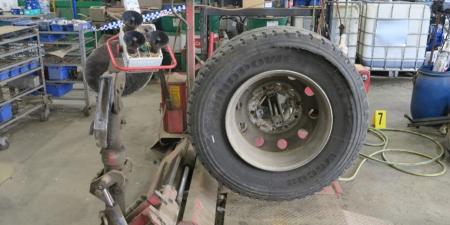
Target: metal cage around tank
380	47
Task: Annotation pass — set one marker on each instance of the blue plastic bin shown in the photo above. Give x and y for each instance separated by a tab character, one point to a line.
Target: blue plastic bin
68	27
24	68
59	72
48	37
306	2
33	64
6	113
44	25
14	71
16	11
83	26
4	74
57	27
58	90
315	3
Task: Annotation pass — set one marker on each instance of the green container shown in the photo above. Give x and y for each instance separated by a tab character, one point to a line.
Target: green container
181	59
64	7
170	23
66	12
256	22
32	11
181	63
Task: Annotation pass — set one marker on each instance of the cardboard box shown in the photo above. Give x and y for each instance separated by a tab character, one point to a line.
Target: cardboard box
115	12
150	4
252	3
97	13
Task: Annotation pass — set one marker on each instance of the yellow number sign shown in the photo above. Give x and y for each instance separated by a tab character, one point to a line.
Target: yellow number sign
379	119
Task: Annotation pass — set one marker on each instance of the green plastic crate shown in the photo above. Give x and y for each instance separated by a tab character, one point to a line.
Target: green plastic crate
170	23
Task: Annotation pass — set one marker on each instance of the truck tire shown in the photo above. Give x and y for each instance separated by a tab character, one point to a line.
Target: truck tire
277	113
97	64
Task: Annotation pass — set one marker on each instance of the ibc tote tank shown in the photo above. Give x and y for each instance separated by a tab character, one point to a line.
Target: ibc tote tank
393	35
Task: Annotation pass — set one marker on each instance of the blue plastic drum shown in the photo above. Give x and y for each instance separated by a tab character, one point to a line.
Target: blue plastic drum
431	94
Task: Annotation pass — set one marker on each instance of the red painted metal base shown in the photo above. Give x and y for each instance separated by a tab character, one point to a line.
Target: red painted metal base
333	189
173	121
144	210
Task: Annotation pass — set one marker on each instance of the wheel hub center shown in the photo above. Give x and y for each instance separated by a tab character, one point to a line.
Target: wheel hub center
274	107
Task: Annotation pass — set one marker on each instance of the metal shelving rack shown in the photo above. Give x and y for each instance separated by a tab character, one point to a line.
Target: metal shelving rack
77	57
28	39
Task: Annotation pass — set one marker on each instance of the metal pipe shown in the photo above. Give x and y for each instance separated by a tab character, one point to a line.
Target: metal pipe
182	185
115	216
108	198
329	17
213	11
173	172
190	56
114	154
211	44
313	17
74	9
83	67
204	29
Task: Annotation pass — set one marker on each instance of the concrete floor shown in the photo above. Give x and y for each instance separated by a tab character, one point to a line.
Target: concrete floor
385	193
50	165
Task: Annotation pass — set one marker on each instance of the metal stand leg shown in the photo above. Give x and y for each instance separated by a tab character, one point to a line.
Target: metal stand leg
114	157
87	107
109	184
4	143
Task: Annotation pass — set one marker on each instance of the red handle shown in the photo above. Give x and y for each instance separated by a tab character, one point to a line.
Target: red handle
138	68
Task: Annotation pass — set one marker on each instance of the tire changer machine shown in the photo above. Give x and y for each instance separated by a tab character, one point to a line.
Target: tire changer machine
139	51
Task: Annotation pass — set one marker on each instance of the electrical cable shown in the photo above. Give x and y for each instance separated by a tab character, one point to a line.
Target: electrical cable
321	18
184	21
396	165
174	11
83	15
175	38
338	12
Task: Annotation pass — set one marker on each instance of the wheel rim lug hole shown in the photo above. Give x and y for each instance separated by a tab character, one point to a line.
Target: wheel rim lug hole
302	134
282	144
309	92
259	142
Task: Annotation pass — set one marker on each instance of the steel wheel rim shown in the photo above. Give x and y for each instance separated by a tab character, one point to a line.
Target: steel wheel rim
251	116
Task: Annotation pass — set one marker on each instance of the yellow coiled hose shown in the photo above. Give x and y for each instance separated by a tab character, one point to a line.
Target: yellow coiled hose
396	165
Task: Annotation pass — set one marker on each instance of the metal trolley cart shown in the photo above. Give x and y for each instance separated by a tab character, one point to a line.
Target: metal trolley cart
78	44
22	81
